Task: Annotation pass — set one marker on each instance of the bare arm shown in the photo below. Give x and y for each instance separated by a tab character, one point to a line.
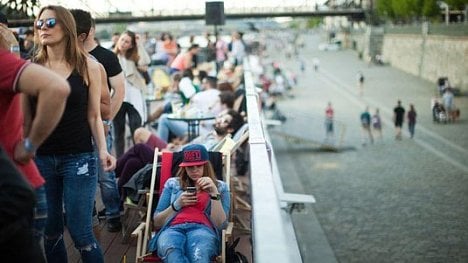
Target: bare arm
94	116
218	216
51	91
27	113
185	199
105	95
117	83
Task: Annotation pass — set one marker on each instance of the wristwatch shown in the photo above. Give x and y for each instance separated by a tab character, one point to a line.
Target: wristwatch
215	197
28	146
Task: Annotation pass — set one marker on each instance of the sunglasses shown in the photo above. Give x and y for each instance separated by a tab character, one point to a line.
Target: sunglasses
49	23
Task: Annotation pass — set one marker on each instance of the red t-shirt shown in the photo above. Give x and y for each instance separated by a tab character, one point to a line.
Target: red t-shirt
329	113
194	213
11	116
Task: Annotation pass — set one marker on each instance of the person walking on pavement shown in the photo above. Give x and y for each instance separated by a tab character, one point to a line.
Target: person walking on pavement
398	118
366	130
316	64
329	112
377	123
448	101
411	120
360	79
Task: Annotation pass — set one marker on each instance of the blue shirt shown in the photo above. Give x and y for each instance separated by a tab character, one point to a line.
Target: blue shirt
172	190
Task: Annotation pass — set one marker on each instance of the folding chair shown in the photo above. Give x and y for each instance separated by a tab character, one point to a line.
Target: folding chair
169	163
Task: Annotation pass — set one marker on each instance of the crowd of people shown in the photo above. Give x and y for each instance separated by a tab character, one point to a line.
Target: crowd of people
67	101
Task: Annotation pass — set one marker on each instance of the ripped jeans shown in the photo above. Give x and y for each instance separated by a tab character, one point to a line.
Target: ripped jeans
71	181
189	242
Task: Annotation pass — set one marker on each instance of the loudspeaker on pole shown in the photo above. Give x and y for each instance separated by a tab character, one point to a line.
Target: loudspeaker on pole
214	13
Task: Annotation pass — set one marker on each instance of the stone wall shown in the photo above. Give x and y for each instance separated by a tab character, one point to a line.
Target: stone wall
426	56
429	56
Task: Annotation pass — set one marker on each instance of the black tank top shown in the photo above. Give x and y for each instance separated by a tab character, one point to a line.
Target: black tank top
73	134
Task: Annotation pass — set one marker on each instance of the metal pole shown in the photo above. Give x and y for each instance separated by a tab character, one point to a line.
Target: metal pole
446	14
466	13
444	5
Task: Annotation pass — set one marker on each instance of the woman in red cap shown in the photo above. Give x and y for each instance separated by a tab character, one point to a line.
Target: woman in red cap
192	211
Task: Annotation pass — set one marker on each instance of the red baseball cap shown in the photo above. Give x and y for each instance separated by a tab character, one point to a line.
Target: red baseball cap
194	154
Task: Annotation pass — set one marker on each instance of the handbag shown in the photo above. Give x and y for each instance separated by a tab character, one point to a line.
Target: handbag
146	76
233	256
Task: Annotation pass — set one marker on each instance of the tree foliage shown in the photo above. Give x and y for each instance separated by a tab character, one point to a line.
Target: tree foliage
18	9
457	4
414	10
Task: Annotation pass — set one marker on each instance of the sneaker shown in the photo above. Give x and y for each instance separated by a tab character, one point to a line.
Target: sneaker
114	224
102	214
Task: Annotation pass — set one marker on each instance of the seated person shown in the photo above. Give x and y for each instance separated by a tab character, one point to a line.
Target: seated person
179	128
227	122
191	220
173	94
142	152
131	162
437	110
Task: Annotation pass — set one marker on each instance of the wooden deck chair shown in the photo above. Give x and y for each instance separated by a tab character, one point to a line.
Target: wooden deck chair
135	203
169	164
238	188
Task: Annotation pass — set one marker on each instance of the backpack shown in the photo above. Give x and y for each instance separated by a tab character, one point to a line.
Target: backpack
233	256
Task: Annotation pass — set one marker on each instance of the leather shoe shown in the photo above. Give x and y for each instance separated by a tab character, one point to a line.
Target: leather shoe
114	224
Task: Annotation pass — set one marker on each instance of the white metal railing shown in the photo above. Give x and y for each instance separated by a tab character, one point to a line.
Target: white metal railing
273	235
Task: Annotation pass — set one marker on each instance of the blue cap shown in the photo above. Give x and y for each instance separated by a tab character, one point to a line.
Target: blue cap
194	154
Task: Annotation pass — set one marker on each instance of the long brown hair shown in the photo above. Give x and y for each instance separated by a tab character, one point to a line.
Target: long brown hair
74	55
185	180
131	53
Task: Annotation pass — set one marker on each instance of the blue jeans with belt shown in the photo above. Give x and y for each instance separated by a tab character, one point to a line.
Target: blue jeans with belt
188	242
71	181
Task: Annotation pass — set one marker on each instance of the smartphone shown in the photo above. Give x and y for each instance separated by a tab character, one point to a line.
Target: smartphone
191	189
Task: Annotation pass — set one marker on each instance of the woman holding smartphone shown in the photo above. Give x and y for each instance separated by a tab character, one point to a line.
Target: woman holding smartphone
191	212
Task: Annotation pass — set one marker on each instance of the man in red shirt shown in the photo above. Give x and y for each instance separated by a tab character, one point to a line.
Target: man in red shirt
19	76
329	113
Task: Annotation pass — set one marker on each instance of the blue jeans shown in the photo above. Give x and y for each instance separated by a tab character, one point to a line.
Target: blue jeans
179	128
189	242
71	181
411	128
40	217
108	185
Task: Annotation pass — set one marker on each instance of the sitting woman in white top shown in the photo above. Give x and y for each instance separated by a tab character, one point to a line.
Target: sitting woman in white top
191	211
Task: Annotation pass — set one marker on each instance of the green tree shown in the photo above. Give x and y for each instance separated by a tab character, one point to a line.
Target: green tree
409	10
384	9
430	9
313	22
457	4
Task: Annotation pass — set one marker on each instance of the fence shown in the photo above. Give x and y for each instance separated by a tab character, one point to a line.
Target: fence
454	29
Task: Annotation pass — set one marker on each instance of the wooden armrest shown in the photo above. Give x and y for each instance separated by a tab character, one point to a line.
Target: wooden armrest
229	228
139	229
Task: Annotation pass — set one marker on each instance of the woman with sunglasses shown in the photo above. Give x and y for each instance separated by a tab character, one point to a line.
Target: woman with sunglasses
191	212
66	159
134	105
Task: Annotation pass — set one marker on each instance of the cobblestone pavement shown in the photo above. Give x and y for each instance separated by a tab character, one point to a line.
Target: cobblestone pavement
390	201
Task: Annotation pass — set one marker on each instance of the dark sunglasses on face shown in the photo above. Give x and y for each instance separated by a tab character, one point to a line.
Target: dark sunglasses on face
49	23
